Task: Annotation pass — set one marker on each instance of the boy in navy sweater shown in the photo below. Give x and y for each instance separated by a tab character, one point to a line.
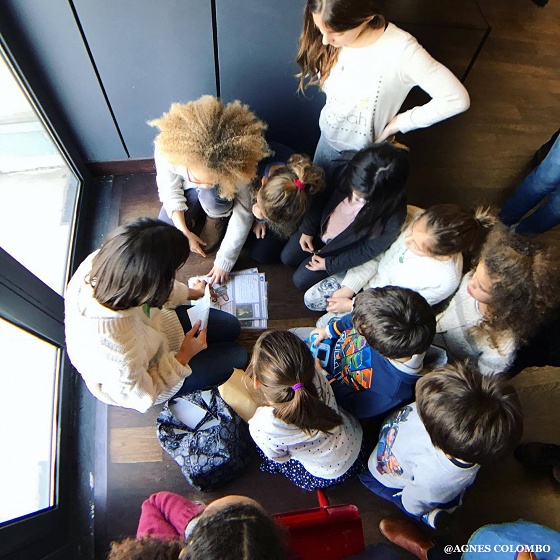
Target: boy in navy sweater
378	350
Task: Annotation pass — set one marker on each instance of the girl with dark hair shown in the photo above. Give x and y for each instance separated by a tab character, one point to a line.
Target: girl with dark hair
127	329
367	66
300	432
174	528
502	303
427	257
284	197
355	220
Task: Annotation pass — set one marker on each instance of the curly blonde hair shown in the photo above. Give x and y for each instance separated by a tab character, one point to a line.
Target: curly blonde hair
525	277
226	139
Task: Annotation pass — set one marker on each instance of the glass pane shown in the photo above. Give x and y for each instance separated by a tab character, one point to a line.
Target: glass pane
38	190
28	438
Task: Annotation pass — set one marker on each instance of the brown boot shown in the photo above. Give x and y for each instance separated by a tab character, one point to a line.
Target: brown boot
213	232
407	535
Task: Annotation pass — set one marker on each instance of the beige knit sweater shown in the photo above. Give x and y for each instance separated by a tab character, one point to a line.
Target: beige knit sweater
125	357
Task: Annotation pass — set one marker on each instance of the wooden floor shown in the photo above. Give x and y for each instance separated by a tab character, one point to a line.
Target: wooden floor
478	157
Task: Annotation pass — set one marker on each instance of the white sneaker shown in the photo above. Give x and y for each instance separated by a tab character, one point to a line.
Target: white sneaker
328	318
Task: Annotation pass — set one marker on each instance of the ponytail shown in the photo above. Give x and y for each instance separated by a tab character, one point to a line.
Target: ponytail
286	196
454	230
285	370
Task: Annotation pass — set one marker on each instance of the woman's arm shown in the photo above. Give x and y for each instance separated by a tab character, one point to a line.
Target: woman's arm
170	187
449	96
237	231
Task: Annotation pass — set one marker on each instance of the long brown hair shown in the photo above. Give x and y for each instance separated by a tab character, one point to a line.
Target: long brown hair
279	361
315	59
283	202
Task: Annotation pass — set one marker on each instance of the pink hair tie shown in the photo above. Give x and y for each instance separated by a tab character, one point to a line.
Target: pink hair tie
297	386
299	184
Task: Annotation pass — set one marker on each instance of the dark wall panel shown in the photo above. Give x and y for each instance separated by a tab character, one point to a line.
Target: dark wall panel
49	32
148	55
257	47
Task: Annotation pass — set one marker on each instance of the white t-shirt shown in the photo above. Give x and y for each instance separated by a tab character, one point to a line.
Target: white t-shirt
324	455
367	86
406	459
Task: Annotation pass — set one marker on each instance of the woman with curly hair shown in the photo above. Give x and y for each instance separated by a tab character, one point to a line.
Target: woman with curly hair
502	303
229	528
206	155
284	197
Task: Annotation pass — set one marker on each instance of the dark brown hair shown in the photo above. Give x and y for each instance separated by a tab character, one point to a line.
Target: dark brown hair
397	322
454	230
145	548
137	263
283	202
279	361
236	532
315	59
525	277
470	416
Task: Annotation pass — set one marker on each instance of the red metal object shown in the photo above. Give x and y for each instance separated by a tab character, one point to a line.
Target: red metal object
325	532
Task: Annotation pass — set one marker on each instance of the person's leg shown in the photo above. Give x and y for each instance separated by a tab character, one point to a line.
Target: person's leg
326	157
304	278
543	180
194	214
316	297
390	494
292	254
544	218
268	249
214	366
222	326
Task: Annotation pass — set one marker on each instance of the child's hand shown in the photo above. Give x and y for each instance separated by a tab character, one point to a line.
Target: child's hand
217	276
306	243
259	229
193	343
339	305
316	263
196	291
321	335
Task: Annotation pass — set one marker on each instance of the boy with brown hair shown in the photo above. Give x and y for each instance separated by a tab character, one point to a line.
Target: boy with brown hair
429	452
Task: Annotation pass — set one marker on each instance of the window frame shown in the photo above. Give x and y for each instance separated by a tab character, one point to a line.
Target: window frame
29	303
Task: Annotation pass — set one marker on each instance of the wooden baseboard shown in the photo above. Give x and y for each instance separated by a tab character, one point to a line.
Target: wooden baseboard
121	167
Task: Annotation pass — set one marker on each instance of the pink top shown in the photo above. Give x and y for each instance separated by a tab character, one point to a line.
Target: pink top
166	515
341	217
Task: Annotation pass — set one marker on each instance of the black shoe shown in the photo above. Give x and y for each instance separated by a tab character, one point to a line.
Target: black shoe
213	232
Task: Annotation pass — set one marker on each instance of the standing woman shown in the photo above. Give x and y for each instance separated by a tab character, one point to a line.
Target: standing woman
206	155
127	328
366	66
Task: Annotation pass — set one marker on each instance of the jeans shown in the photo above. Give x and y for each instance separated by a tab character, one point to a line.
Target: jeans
214	365
194	214
326	157
543	181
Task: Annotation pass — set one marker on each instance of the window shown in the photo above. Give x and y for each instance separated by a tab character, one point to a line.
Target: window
39	192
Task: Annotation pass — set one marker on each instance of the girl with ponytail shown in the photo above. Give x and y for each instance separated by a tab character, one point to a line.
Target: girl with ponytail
300	431
427	257
282	200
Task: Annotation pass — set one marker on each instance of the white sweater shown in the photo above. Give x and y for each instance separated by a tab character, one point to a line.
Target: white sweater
367	87
405	458
452	333
432	278
125	357
323	455
172	181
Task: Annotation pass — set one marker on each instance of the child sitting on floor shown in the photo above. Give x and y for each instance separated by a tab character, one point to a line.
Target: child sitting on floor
301	432
378	351
174	528
426	257
502	303
430	451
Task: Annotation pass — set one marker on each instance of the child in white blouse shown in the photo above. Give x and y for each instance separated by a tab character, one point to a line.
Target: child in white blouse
301	432
427	257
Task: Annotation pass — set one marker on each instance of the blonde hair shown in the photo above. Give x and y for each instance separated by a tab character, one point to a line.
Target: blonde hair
226	139
283	202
